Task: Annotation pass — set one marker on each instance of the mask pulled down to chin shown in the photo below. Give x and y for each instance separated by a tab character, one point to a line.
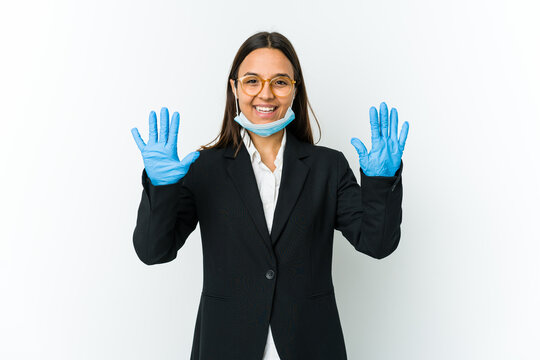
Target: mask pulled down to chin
268	128
264	129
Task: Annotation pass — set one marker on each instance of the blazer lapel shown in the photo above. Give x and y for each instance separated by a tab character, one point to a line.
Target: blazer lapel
293	176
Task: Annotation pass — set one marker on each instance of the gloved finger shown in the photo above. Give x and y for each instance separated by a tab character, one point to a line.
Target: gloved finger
403	135
374	121
173	134
138	140
359	146
393	124
190	158
362	153
384	120
152	127
164	125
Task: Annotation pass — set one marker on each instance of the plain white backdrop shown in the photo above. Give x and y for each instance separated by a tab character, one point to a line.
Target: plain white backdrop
76	76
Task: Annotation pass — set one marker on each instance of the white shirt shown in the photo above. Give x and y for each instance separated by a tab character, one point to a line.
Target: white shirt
268	183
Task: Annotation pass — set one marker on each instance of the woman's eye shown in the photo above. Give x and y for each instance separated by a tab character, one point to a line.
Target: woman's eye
281	83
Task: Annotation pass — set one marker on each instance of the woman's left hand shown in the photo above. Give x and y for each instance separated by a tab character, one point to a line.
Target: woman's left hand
384	159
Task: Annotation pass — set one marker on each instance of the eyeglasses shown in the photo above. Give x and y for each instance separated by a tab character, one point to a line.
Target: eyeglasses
280	86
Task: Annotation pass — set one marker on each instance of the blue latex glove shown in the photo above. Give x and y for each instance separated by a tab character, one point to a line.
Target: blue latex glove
384	159
161	157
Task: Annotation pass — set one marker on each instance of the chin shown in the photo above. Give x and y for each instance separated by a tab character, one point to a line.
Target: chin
259	120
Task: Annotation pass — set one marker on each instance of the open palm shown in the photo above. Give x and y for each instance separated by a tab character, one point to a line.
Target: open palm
160	157
384	159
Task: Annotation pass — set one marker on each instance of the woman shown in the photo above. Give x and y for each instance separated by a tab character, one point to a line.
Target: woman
268	200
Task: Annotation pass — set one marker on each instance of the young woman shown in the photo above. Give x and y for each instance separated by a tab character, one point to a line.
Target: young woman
268	200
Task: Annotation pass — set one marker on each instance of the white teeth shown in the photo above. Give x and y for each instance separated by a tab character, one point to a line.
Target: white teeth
264	109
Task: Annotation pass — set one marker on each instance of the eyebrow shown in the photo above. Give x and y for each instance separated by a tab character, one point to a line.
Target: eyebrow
278	74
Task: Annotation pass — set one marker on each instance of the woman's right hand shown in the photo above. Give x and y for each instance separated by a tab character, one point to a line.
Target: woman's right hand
161	157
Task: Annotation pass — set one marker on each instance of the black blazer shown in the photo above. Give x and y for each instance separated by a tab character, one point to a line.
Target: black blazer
253	278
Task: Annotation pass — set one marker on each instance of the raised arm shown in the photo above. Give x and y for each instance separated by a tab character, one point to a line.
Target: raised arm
369	216
166	217
167	212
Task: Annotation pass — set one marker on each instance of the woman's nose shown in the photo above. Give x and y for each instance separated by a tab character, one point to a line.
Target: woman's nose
266	91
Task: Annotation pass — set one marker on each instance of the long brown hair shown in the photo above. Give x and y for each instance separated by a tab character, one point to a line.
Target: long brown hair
300	126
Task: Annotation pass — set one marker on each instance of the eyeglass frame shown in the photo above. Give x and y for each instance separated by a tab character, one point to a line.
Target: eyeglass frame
264	83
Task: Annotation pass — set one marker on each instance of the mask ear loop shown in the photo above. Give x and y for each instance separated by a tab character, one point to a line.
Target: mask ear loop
235	98
237	113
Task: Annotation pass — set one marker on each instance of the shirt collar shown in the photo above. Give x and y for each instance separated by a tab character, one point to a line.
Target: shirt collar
254	153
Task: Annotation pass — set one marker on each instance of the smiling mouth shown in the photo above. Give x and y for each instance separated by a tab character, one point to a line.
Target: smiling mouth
263	111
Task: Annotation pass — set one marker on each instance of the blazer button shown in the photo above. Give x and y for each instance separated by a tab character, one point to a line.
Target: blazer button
270	274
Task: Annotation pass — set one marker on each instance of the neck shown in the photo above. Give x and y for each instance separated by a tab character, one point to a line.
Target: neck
267	144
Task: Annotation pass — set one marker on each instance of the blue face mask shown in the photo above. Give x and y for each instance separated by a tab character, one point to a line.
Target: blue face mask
265	129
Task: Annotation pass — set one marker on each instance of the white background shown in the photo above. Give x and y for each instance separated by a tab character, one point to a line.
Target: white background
75	77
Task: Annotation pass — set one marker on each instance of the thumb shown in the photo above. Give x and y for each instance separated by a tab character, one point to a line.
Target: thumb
362	152
359	146
138	140
190	158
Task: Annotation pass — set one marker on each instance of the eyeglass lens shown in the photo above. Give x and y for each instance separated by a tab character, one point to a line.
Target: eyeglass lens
281	86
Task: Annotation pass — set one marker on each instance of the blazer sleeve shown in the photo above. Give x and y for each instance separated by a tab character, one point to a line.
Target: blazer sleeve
369	216
166	216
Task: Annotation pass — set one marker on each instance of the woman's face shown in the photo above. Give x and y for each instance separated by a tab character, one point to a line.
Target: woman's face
266	63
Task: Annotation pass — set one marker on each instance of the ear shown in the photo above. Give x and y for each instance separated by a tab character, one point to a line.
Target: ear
231	81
